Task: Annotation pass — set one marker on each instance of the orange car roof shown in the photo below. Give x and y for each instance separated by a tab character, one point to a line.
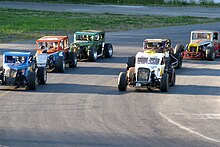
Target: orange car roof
51	38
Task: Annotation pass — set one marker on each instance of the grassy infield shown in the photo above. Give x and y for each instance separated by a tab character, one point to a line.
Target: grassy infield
18	25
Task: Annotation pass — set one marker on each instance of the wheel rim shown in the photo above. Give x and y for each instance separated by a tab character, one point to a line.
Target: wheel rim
110	51
95	55
213	55
64	65
75	61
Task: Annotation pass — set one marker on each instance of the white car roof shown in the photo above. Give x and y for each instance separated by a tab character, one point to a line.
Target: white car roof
204	31
150	55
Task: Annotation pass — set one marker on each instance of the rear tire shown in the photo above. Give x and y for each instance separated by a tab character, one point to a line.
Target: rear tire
108	50
210	54
73	62
32	81
179	57
179	48
173	78
122	81
60	64
131	62
42	75
92	54
164	83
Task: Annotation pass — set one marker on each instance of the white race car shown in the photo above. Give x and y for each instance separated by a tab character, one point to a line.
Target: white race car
150	70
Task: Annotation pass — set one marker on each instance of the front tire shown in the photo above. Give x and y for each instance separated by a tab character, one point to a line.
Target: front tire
60	66
92	54
122	81
73	62
108	50
173	78
42	75
32	81
210	54
164	83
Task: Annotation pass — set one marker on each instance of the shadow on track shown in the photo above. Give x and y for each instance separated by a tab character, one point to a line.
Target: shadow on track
94	71
113	60
195	90
198	72
71	138
181	89
77	88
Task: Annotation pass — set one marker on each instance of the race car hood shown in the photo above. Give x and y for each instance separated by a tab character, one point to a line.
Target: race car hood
200	41
14	66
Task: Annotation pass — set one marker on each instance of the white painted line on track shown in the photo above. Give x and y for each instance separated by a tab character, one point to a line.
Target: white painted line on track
204	116
4	93
187	129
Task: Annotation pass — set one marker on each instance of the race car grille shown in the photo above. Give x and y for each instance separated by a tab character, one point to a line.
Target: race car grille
192	49
143	74
11	73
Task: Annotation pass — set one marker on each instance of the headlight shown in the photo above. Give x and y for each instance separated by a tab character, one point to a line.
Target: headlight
143	74
13	73
7	72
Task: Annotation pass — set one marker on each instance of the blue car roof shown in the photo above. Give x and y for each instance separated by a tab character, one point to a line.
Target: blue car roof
17	53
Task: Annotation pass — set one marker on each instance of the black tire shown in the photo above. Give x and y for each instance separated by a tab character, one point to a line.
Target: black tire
179	48
60	66
210	54
32	84
41	75
167	63
92	54
122	81
131	62
108	50
2	76
73	62
179	57
164	83
173	78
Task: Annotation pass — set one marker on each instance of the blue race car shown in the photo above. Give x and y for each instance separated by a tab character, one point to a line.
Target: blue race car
20	70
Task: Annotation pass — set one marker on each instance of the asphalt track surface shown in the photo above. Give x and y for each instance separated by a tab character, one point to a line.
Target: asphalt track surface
117	9
83	107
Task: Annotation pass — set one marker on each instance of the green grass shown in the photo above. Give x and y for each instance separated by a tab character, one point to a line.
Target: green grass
130	2
16	25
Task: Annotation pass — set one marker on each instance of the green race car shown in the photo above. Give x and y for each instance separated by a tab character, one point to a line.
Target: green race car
90	44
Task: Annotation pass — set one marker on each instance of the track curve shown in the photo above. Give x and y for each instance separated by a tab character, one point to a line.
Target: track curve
83	107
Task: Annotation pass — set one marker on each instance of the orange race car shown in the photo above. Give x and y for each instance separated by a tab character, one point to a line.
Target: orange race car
56	51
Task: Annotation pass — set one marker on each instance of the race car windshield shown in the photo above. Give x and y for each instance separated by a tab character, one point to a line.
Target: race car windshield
201	36
142	60
153	61
154	45
84	38
48	45
16	59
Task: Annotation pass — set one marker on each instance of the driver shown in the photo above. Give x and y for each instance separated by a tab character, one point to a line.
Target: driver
20	60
